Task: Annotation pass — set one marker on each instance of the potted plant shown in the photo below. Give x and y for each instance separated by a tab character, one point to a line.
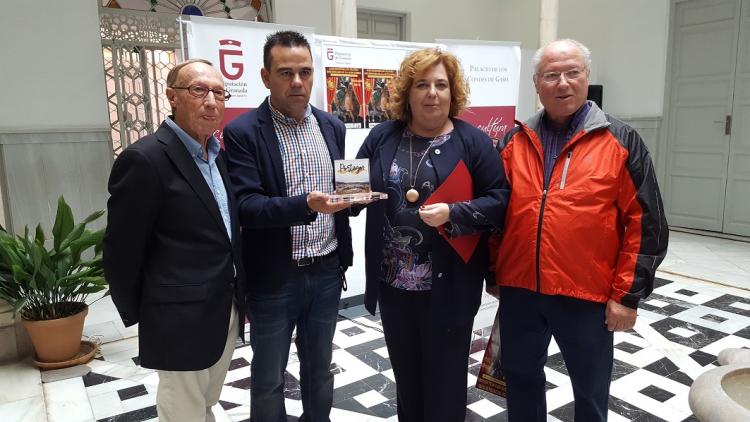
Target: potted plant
47	281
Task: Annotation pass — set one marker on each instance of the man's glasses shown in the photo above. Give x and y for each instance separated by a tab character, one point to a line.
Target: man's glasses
201	92
570	75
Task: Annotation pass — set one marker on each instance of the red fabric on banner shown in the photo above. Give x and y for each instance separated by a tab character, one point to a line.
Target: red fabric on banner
229	115
457	187
359	92
495	121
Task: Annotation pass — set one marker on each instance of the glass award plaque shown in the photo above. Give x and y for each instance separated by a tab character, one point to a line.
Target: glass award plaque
352	179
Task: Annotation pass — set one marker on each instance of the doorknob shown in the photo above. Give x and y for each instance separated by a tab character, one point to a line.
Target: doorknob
728	125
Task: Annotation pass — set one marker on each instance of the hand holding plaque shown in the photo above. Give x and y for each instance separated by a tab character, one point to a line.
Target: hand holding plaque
353	182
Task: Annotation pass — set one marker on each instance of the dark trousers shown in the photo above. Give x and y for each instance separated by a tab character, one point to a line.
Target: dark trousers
307	298
527	321
430	361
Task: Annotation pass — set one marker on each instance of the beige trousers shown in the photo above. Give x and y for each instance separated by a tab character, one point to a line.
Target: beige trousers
187	396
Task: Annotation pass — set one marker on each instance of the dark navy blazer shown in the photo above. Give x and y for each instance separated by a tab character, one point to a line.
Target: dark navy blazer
266	212
457	286
170	265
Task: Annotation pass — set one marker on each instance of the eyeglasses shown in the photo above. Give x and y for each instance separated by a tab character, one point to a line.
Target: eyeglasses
201	92
570	75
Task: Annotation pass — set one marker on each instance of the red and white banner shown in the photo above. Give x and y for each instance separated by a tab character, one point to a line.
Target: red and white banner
359	74
493	71
235	47
354	77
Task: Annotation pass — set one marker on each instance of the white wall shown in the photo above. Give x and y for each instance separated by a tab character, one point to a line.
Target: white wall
493	20
51	87
315	13
54	127
628	41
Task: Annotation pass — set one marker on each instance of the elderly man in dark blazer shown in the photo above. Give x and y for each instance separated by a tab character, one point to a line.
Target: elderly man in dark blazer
171	249
295	243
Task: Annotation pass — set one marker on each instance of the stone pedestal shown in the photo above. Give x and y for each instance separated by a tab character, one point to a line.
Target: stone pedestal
14	342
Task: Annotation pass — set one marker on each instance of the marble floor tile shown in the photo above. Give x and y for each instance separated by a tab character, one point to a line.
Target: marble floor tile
485	408
680	330
106	405
30	409
108	349
107	331
370	398
715	319
19	380
67	401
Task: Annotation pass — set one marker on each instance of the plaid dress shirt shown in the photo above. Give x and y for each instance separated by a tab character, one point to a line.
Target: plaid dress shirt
307	167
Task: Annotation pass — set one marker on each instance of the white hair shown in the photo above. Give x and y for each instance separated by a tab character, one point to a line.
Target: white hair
585	52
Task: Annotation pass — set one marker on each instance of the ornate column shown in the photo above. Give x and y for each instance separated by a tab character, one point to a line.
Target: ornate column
548	21
344	18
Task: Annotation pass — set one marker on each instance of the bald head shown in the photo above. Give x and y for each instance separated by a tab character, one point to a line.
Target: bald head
196	115
565	44
561	78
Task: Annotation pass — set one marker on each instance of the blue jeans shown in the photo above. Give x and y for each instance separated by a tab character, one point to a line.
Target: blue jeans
308	298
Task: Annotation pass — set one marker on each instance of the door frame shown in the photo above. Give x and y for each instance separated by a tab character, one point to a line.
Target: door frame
664	149
405	18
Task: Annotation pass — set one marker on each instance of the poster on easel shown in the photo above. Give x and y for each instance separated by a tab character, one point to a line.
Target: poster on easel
490	377
344	95
378	89
373	64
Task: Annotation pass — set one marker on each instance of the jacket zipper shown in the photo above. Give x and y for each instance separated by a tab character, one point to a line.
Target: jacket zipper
538	240
565	170
541	217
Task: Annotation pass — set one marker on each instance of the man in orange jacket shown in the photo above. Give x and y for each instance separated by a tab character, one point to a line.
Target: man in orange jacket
585	230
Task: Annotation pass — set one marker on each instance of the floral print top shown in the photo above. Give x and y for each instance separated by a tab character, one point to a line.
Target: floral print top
407	257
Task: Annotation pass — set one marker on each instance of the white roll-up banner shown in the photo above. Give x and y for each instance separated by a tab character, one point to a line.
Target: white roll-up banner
354	77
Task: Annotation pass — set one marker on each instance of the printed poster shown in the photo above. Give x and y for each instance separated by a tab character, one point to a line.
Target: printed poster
378	88
344	95
490	377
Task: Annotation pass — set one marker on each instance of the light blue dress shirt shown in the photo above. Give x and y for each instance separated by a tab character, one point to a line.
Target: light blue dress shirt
208	169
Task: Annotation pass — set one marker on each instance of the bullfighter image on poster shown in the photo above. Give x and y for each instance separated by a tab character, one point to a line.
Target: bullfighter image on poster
344	95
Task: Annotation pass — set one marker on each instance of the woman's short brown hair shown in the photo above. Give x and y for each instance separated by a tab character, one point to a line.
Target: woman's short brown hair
417	63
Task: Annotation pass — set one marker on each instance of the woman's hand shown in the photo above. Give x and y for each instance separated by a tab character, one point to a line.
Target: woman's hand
435	215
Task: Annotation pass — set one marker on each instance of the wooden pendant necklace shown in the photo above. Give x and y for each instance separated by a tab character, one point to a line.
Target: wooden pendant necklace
412	195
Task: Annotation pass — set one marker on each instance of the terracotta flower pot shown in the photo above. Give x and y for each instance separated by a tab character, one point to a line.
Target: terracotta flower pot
57	340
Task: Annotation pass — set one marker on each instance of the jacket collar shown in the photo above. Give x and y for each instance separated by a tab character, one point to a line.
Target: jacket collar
595	119
271	140
183	161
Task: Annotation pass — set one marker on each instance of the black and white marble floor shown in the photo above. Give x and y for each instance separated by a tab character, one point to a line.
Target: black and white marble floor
681	328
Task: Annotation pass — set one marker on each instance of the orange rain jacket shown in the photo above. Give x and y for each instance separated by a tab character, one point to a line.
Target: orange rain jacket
598	230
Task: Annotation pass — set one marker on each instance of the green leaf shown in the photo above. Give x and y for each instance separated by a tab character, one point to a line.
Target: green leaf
22	277
75	277
48	275
86	241
63	222
35	277
71	237
18	305
95	280
91	289
39	238
36	260
93	216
